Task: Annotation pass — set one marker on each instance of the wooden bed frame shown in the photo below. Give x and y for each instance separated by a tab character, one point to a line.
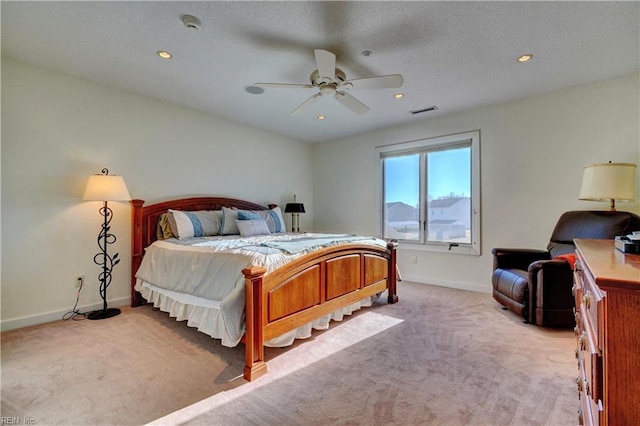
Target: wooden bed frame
315	284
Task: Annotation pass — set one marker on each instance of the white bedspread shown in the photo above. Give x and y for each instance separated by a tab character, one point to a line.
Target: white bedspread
200	279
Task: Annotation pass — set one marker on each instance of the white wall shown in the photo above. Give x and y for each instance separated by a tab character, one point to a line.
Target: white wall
532	154
58	129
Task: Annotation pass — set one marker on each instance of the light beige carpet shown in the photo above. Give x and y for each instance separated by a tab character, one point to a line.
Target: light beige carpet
439	356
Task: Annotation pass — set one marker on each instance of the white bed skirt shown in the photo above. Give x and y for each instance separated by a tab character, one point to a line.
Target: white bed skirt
206	315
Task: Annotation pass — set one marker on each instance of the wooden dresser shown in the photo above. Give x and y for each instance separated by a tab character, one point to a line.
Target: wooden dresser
607	292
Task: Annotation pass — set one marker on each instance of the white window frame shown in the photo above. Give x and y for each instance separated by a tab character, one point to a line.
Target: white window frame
473	248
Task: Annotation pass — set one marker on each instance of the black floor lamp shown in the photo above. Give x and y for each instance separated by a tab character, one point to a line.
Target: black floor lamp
105	187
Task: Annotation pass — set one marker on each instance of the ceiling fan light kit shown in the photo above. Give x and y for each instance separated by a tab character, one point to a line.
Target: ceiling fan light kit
191	22
329	80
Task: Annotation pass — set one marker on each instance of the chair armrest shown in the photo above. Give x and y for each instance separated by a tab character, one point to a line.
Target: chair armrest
551	267
517	258
550	286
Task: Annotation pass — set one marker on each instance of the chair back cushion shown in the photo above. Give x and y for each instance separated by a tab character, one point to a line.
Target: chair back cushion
589	224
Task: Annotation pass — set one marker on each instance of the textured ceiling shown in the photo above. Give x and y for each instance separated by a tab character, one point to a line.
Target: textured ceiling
455	55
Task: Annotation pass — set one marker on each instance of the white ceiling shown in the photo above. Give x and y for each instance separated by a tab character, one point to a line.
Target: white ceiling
455	55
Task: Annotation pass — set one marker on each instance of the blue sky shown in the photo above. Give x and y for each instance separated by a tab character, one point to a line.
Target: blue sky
448	172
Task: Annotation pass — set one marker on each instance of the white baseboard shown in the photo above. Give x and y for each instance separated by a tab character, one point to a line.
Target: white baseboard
36	319
11	324
448	284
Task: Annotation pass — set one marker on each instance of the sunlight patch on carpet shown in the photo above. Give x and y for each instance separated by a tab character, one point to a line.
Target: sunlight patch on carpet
340	336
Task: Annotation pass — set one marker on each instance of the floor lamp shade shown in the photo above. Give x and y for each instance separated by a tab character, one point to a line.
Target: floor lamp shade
105	187
609	182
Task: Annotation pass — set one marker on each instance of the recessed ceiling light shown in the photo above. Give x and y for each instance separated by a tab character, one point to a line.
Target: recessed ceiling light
525	58
254	90
321	117
164	54
398	95
366	53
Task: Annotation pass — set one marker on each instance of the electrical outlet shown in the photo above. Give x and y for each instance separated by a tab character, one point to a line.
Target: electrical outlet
414	259
78	280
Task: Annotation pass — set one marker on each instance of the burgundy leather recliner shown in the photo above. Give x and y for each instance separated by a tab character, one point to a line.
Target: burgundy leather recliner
535	284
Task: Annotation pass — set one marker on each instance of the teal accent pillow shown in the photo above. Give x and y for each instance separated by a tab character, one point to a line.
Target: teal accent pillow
248	215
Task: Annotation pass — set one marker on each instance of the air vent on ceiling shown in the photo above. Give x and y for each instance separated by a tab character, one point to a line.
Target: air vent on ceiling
420	111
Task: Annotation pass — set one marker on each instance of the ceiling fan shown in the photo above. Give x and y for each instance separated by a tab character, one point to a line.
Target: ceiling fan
333	81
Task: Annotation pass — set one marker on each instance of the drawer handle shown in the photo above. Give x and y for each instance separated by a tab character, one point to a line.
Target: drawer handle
579	382
587	387
581	341
586	299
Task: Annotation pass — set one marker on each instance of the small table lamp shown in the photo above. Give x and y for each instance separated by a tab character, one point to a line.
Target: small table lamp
295	209
609	182
105	187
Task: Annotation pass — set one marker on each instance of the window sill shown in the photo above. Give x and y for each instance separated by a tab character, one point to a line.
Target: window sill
466	249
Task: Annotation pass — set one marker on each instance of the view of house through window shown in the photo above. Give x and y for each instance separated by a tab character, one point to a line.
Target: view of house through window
449	195
428	191
402	195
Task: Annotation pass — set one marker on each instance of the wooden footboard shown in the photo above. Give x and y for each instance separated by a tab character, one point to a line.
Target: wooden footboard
311	286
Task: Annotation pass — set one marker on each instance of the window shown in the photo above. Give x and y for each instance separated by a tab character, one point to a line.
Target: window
430	193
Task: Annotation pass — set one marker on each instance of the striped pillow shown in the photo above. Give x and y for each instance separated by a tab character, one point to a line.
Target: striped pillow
201	223
273	218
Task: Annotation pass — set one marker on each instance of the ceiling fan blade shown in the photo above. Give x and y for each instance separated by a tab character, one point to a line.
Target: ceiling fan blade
285	85
381	82
306	104
350	102
326	62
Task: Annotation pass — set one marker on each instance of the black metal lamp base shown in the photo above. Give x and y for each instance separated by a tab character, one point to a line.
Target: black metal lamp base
103	313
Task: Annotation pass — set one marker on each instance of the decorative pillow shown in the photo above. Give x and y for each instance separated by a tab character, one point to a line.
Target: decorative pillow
201	223
273	217
248	215
163	230
229	218
248	228
569	257
278	220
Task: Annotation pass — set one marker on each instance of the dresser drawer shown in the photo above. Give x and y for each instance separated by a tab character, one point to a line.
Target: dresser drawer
589	301
589	358
588	350
586	415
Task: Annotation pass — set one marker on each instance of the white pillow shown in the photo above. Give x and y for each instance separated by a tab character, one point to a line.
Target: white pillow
229	218
248	228
201	223
273	217
279	225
